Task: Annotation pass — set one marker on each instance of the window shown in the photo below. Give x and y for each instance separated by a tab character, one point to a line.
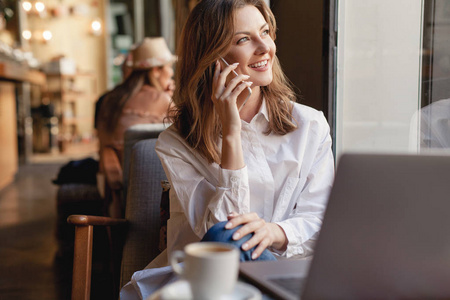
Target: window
393	61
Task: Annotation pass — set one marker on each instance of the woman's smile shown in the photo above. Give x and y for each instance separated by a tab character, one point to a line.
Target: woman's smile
260	65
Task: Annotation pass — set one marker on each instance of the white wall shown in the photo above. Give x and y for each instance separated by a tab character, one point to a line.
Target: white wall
378	80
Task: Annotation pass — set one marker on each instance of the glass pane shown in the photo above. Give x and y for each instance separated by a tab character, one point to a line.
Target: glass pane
378	77
435	113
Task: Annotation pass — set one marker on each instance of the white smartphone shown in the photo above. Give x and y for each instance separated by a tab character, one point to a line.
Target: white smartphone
248	88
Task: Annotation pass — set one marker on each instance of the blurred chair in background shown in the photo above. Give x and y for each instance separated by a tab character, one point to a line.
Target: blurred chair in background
133	135
142	231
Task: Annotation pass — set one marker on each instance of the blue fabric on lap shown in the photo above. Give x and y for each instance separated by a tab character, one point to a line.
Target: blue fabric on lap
218	233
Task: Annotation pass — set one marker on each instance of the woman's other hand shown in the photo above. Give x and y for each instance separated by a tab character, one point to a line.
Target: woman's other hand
265	234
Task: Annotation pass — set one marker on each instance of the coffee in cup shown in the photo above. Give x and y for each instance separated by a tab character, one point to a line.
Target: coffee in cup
211	268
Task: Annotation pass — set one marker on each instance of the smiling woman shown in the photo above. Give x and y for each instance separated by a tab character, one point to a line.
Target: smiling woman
257	177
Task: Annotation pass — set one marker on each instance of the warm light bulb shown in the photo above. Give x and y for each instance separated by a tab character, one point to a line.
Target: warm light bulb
27	6
26	34
96	26
40	7
47	35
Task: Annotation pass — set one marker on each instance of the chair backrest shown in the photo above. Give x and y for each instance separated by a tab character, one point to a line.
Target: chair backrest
133	135
142	209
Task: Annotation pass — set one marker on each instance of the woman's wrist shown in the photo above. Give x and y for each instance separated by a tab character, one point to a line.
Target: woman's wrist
232	156
231	132
279	238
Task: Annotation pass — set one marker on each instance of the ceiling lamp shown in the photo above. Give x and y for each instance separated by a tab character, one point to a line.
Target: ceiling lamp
26	34
39	6
47	35
96	27
27	6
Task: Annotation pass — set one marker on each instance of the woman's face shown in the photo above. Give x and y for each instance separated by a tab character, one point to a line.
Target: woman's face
164	76
252	47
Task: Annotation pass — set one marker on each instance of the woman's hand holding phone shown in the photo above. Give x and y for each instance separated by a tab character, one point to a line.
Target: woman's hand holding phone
225	94
224	97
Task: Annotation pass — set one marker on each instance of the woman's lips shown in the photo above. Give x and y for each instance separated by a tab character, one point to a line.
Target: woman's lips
260	65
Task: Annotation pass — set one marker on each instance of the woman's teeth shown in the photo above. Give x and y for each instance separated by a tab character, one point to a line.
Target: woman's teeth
260	64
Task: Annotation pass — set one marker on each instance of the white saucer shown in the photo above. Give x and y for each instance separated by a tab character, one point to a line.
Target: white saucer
179	290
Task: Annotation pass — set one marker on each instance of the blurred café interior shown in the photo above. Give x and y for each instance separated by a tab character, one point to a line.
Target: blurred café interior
379	70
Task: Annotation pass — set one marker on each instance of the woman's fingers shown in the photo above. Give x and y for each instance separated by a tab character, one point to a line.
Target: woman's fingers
262	233
233	85
222	78
251	223
261	247
232	215
238	90
224	90
241	219
261	239
250	227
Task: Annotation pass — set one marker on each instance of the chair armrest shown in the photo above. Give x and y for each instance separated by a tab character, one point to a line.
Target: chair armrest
84	220
82	261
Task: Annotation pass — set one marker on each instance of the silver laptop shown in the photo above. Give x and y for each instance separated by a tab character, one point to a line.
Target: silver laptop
385	235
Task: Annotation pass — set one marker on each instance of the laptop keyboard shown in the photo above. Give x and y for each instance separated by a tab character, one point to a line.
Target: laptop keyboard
293	284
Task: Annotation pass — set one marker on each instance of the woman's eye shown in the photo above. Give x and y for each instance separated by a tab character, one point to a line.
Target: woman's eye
242	40
266	32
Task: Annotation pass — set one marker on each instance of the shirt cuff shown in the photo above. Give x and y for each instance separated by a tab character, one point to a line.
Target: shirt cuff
294	247
233	178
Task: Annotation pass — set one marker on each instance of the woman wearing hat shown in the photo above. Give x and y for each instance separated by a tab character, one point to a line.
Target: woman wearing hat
144	97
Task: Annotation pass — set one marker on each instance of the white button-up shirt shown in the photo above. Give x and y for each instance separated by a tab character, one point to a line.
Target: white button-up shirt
286	180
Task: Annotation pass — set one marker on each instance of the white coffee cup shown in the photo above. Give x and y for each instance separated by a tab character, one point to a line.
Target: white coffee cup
210	268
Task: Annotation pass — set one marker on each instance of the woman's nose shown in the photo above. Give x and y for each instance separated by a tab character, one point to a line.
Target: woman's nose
262	47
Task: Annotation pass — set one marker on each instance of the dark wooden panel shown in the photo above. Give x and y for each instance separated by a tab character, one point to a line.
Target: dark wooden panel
300	46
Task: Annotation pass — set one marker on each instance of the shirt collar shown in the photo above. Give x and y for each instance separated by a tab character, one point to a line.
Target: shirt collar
263	109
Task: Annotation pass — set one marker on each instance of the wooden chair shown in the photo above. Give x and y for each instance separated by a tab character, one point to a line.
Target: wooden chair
141	225
84	230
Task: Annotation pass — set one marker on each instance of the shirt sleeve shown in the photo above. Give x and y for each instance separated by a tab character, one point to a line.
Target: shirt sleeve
304	222
204	197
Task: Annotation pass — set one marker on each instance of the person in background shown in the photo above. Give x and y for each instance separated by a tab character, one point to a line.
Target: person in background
250	170
126	71
144	97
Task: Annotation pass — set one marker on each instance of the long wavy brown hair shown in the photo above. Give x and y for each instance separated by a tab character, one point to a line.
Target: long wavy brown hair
206	36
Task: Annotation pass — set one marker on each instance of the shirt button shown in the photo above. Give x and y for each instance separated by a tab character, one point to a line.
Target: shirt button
234	190
234	179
